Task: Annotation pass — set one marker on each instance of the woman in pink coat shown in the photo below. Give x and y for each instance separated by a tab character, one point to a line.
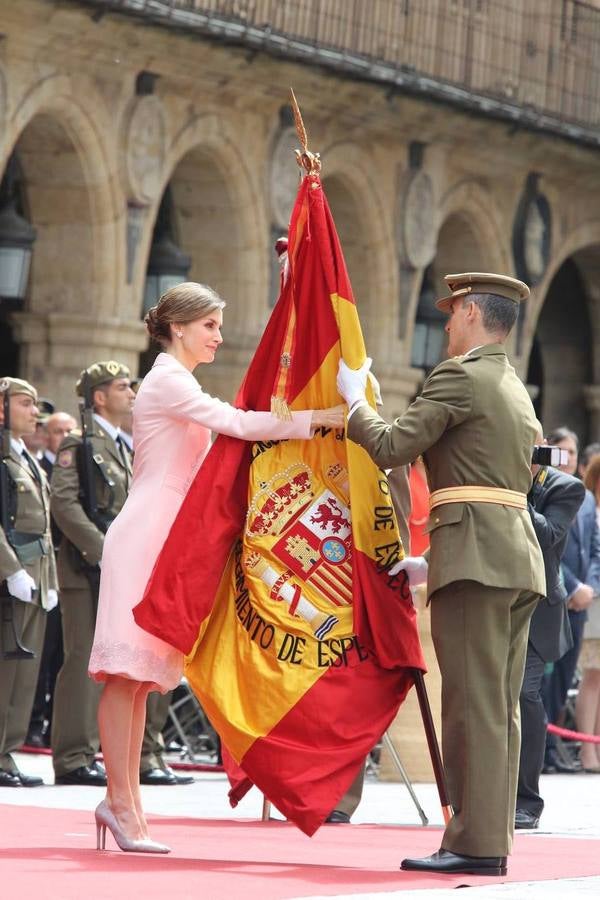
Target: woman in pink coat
172	422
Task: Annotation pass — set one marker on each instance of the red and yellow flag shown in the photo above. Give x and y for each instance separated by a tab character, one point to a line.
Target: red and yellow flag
274	576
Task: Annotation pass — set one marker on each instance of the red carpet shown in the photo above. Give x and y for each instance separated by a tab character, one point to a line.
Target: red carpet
48	853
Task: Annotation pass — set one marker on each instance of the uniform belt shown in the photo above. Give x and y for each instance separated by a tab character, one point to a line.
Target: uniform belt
28	547
478	494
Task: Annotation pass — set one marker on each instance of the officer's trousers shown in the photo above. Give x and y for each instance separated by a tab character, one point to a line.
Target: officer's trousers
480	637
75	738
533	734
351	799
18	680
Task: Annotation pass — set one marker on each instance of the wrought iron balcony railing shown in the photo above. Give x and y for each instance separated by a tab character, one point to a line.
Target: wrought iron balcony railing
538	62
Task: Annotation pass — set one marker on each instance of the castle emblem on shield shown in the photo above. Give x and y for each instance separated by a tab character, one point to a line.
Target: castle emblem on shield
314	542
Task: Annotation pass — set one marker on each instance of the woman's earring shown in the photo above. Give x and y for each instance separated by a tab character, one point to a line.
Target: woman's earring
179	334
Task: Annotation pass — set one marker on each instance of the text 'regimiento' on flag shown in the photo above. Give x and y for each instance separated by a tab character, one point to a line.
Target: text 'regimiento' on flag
278	561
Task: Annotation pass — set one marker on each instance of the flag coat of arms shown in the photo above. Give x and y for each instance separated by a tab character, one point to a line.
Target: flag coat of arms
274	578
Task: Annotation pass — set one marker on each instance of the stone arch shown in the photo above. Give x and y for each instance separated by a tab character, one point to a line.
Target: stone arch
69	172
73	202
562	358
362	223
470	238
220	221
577	242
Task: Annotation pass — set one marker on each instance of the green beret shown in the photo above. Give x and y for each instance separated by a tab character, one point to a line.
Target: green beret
101	373
17	386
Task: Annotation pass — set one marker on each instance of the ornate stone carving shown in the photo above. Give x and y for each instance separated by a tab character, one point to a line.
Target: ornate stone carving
145	148
532	232
284	177
417	231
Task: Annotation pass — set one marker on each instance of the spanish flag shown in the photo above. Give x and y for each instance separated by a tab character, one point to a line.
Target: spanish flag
274	578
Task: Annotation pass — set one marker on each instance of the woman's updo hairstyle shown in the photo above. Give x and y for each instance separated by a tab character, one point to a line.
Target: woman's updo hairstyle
179	305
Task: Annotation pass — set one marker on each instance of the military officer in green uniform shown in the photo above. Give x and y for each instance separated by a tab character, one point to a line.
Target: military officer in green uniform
475	427
75	739
27	567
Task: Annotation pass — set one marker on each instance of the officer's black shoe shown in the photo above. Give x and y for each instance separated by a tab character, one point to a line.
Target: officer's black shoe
8	779
84	775
29	780
180	779
526	819
157	776
337	817
446	863
554	765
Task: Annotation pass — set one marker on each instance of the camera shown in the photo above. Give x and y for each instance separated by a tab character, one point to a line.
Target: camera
549	456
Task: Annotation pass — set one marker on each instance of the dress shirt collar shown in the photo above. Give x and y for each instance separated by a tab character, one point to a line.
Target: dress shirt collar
110	429
18	446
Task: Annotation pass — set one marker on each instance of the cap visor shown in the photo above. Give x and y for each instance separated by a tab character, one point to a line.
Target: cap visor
445	304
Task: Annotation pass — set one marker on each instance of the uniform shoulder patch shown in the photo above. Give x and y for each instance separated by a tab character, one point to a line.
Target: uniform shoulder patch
65	458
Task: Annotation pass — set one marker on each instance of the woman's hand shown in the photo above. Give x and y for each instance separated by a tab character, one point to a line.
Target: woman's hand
329	418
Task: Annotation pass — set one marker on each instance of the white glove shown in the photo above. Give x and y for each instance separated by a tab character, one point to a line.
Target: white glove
352	383
376	389
415	567
51	600
21	585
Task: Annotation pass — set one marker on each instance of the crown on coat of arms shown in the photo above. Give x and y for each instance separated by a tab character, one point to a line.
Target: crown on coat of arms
280	500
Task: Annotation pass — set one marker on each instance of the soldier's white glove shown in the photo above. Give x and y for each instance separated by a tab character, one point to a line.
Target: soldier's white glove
415	567
21	585
51	600
352	383
376	389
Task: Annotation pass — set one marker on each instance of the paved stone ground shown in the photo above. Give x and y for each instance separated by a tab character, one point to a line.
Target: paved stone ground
572	810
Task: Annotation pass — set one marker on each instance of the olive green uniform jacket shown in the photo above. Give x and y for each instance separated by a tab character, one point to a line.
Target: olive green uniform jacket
32	517
474	424
78	530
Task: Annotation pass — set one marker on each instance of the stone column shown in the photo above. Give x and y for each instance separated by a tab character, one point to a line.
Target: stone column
55	347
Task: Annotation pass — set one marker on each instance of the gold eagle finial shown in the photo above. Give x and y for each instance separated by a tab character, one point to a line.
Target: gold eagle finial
310	162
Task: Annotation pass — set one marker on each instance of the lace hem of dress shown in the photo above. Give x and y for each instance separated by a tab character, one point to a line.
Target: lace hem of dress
136	662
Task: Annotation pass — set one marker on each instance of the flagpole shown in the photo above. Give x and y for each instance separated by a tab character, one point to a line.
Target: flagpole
434	750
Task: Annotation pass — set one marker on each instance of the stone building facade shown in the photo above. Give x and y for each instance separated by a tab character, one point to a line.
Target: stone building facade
105	108
455	136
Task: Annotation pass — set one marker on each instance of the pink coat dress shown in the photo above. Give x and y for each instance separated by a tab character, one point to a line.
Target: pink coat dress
172	422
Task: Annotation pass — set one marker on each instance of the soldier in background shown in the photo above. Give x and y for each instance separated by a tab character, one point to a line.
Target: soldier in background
56	426
75	740
27	566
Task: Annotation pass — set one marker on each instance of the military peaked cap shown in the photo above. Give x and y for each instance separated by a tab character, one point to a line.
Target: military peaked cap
482	283
101	373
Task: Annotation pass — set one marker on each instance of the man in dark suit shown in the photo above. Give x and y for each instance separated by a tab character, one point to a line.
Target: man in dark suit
581	570
553	500
56	427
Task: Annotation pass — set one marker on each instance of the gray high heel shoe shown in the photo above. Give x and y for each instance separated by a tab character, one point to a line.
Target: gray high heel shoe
105	818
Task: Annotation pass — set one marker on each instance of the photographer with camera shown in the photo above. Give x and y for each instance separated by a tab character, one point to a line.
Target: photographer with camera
553	501
580	566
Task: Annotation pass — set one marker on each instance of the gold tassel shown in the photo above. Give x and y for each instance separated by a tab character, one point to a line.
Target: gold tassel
280	409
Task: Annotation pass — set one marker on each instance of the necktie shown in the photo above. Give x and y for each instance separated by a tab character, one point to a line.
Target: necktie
32	466
124	454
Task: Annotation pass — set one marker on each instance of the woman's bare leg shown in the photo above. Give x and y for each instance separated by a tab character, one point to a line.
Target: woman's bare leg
135	751
115	723
587	706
